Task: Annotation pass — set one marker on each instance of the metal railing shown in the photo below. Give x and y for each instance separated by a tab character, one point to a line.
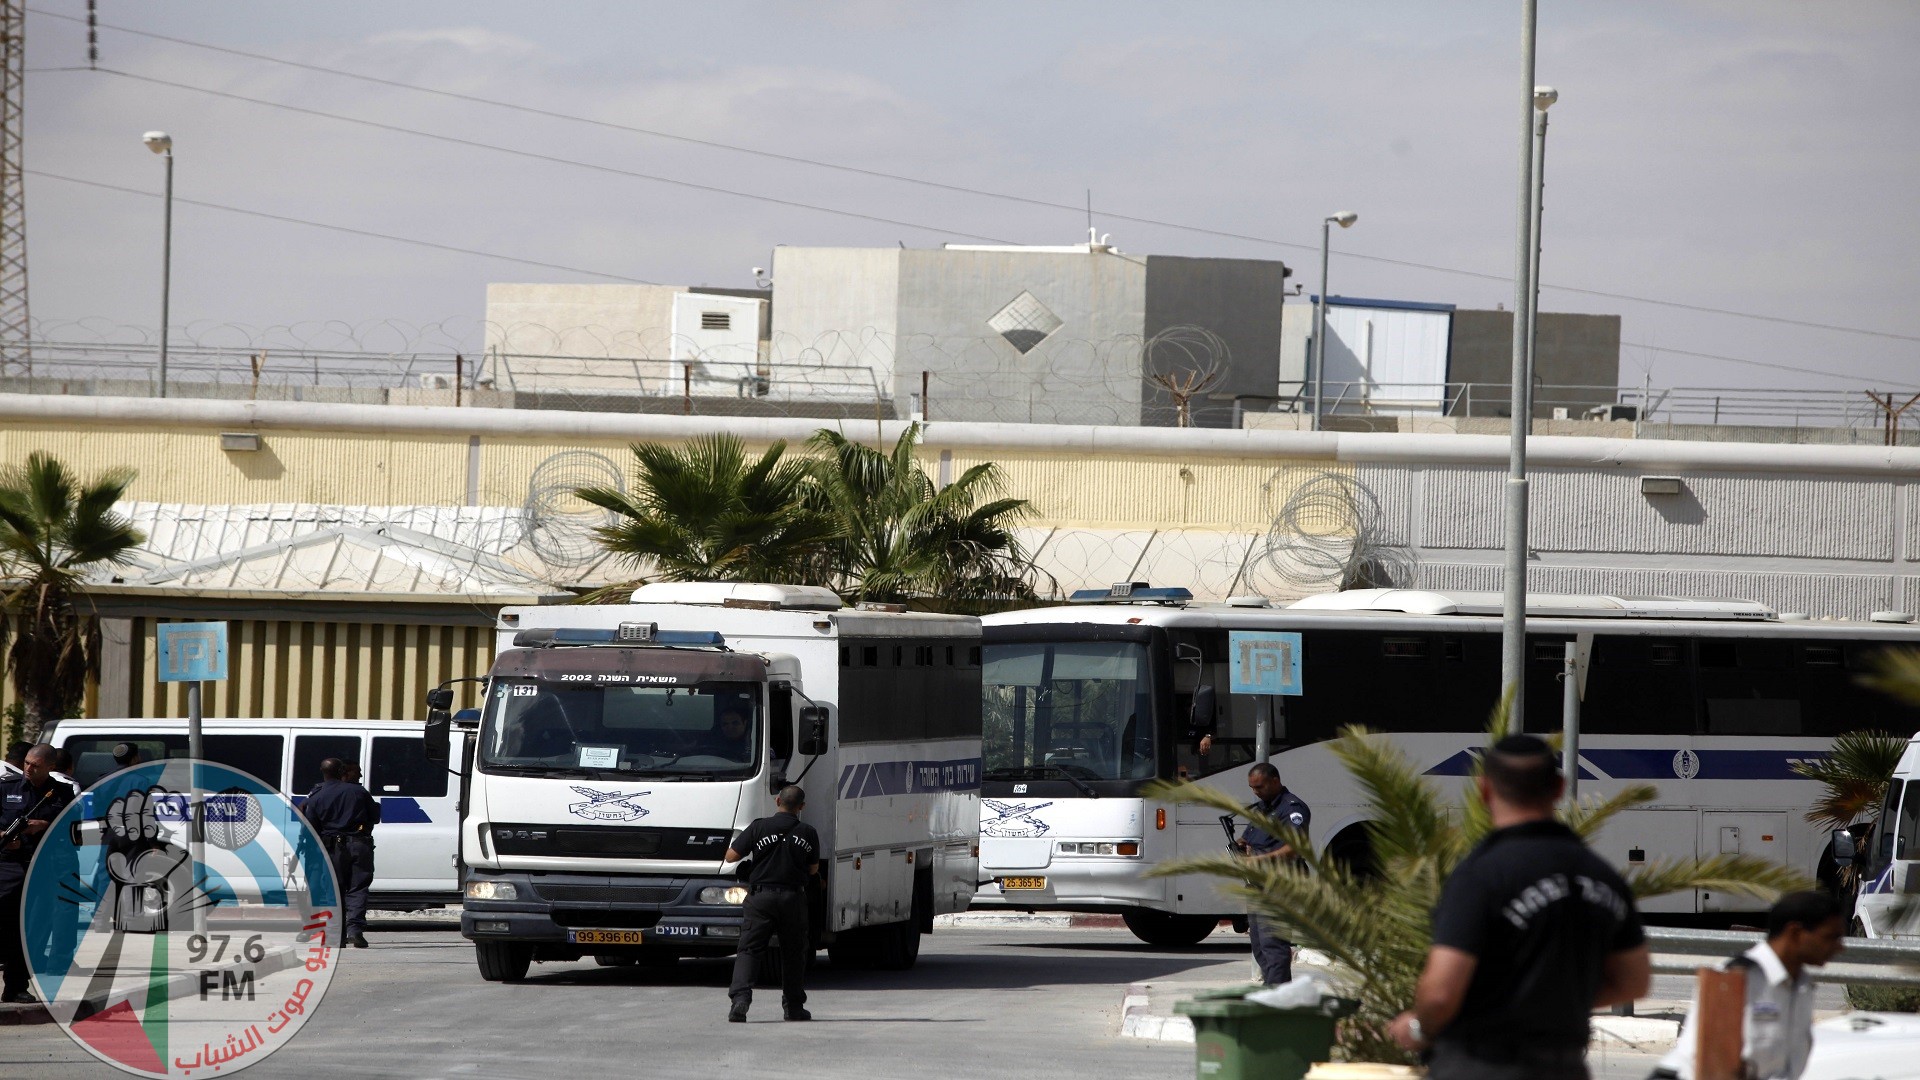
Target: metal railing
1866	961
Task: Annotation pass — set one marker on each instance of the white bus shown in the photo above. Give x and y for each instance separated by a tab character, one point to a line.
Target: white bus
415	840
1710	701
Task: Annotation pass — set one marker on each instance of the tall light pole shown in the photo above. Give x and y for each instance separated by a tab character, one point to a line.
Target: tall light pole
1345	220
1543	99
162	143
1513	615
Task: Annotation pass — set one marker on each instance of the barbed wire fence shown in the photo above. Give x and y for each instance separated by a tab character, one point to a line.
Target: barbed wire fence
1175	378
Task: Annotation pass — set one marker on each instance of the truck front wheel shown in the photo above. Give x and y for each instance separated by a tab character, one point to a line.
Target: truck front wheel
503	961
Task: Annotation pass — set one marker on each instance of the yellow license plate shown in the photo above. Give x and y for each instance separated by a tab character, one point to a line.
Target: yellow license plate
1007	883
606	937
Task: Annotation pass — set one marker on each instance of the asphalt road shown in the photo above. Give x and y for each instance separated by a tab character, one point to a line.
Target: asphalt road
983	1002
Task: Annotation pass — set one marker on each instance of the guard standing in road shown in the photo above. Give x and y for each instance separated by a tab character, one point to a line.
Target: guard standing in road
785	854
1532	933
344	814
1273	953
35	797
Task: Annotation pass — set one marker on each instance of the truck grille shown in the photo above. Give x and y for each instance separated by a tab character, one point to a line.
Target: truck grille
609	894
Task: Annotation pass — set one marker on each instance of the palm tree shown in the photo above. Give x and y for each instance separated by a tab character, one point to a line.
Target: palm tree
905	538
1855	772
54	527
1376	927
706	512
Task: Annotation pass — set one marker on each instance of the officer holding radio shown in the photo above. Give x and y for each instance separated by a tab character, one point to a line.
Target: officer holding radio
784	854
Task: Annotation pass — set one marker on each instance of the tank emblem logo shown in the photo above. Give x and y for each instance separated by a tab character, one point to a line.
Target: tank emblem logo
1012	820
608	805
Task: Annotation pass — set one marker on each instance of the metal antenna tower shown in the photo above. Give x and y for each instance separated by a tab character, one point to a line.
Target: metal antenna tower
14	328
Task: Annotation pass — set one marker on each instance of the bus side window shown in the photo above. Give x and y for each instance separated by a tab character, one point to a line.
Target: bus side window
310	750
400	767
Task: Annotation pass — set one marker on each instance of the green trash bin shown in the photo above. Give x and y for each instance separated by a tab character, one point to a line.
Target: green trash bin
1235	1039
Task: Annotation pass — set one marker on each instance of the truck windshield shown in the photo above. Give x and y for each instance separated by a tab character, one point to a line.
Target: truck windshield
709	729
1077	710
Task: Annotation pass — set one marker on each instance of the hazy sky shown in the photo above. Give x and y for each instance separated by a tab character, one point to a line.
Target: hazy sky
1747	155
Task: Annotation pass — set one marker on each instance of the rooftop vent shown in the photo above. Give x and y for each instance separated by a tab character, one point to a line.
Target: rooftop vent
716	320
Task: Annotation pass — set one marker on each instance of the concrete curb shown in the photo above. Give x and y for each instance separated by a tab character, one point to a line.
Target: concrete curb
1037	920
1642	1033
1137	1020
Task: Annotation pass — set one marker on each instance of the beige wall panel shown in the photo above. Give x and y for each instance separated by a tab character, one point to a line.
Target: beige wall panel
291	466
1116	492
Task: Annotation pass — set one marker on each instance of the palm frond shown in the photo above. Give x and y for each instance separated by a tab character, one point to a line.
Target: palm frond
1855	771
1745	874
1592	815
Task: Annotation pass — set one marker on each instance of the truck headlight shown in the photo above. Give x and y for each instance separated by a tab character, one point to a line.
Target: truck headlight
492	890
724	894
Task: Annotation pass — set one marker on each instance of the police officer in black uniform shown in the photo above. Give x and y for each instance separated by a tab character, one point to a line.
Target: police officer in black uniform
344	814
35	796
1532	933
785	854
1273	953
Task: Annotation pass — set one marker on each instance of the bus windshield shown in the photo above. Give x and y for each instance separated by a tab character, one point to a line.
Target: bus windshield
1073	710
711	729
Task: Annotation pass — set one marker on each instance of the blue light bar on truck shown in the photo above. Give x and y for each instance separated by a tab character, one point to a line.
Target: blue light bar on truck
1131	592
627	634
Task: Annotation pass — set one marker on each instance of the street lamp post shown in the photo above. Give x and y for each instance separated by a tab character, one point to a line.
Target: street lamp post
1513	603
162	143
1543	99
1345	220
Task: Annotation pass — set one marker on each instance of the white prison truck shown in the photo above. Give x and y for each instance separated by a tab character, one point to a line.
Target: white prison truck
1711	701
624	747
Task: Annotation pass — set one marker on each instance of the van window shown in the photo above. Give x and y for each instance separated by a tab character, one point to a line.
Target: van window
310	750
256	754
400	767
1908	846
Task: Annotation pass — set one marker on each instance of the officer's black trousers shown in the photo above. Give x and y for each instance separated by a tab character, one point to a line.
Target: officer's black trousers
1272	952
13	952
768	912
353	873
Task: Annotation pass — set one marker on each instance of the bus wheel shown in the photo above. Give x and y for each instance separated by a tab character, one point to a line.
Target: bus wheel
1355	848
503	961
1166	929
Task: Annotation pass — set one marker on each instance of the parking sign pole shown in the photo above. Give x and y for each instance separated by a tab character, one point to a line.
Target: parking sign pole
197	829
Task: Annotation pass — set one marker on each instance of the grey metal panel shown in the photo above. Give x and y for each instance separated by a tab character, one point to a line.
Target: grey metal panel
1462	508
1393	487
1809	517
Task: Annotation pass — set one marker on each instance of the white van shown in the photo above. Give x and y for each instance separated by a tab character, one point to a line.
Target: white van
419	816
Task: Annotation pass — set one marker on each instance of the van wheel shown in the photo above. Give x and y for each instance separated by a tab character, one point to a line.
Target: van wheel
1166	929
503	961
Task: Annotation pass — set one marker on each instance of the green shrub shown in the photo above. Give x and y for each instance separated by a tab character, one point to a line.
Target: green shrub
1884	998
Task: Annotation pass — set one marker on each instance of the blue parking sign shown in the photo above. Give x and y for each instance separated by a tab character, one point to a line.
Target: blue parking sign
1263	662
192	652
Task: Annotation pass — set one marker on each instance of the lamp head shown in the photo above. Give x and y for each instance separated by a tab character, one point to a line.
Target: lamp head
1544	97
158	141
1344	219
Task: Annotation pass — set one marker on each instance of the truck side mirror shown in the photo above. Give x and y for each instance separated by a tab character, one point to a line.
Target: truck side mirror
813	730
438	737
1204	710
1842	848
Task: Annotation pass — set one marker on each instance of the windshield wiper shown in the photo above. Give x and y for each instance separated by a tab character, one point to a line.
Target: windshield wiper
1038	771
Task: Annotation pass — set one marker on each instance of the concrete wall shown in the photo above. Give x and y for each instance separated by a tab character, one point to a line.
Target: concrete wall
1085	372
1832	530
1238	299
1570	350
839	308
602	337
